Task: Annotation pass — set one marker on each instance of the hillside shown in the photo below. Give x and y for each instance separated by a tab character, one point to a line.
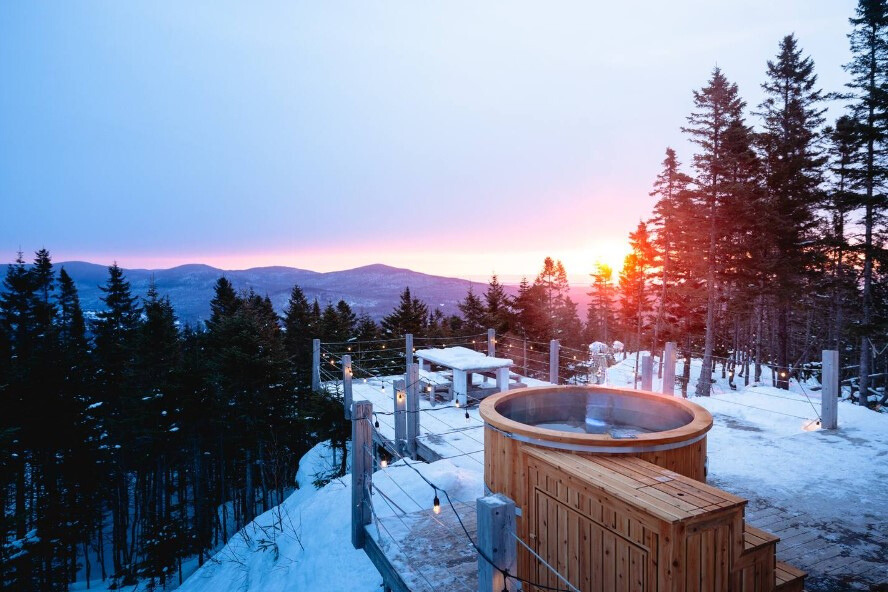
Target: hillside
373	289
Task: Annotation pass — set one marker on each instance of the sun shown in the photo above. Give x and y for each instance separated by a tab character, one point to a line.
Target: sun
597	252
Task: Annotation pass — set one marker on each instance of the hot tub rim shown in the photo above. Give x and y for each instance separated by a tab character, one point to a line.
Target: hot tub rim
693	431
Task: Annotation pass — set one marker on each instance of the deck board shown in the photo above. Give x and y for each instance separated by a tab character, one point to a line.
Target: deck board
429	552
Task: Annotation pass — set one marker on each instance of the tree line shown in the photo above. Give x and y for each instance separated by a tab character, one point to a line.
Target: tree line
771	245
129	442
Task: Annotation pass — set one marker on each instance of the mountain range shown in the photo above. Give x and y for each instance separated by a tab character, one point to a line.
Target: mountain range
372	289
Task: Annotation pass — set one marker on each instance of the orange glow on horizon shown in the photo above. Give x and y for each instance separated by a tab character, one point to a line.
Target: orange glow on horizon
509	265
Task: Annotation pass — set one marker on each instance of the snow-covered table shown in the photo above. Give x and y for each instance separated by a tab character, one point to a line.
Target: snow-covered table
463	362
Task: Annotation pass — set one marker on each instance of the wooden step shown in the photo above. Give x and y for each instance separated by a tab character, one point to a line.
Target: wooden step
756	538
759	548
789	578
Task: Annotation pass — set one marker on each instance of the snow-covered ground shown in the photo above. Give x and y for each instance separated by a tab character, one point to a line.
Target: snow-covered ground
765	445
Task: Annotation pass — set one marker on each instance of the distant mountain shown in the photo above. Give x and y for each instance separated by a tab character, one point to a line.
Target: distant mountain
373	289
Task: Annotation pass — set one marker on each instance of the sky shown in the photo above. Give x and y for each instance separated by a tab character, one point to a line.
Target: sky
454	138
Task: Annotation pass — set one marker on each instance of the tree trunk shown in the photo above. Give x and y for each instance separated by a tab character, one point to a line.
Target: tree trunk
704	382
783	346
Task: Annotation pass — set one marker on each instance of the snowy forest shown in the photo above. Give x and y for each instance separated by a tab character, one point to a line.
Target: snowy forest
130	443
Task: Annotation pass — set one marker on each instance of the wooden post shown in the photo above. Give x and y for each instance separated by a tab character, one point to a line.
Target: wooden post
554	349
491	343
400	396
412	408
347	384
496	527
829	402
315	364
408	350
362	469
647	373
669	369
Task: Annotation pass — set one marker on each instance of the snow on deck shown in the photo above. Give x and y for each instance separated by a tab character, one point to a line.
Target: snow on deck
820	491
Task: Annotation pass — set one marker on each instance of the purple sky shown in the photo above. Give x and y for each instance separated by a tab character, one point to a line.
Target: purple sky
458	138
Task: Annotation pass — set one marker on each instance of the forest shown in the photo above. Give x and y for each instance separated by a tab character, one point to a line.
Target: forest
130	443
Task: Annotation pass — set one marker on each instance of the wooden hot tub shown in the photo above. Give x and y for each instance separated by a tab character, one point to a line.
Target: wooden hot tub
590	421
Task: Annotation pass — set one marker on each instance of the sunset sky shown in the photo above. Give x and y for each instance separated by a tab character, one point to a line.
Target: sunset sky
455	138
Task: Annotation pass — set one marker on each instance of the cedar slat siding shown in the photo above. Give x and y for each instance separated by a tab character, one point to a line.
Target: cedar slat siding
612	526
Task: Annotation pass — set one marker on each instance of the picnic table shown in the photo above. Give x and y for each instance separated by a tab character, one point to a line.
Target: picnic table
464	362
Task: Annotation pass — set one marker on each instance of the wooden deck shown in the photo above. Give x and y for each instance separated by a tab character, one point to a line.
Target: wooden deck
834	557
435	554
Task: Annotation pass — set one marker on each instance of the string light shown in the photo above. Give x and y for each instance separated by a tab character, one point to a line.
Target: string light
436	503
383	462
467	415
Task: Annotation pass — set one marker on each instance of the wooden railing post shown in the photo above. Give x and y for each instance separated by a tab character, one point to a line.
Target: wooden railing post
408	350
647	373
491	343
554	350
829	401
412	408
669	369
400	396
347	385
362	469
496	541
315	364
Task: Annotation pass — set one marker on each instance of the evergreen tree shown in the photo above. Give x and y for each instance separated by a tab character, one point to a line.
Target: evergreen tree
869	94
530	310
366	329
843	150
498	305
673	215
473	313
633	283
298	326
410	316
792	117
115	332
600	314
718	108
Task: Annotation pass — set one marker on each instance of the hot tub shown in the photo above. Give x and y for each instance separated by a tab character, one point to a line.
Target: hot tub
590	421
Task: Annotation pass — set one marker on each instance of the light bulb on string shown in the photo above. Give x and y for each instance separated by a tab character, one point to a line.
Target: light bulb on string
436	503
467	415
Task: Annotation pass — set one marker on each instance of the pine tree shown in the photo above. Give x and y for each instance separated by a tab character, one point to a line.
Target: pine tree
366	329
530	311
869	81
298	326
673	214
410	316
600	319
843	150
634	303
473	313
115	332
792	117
498	305
718	108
